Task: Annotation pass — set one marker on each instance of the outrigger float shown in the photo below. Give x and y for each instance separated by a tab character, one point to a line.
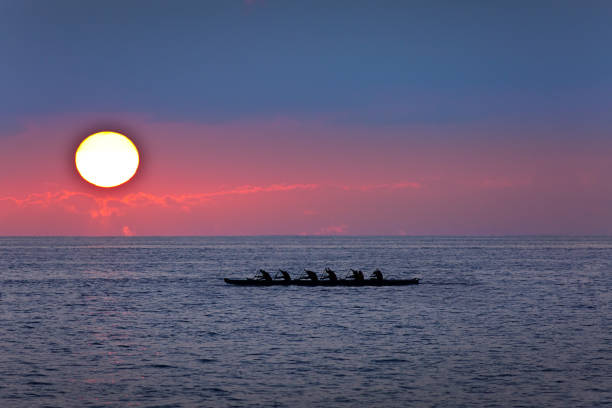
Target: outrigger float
328	278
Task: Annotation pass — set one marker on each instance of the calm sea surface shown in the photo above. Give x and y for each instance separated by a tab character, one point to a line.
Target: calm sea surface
115	322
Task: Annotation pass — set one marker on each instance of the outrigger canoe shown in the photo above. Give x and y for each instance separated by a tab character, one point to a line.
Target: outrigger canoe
328	278
339	282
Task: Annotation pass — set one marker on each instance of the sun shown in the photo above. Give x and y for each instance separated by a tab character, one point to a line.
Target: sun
107	159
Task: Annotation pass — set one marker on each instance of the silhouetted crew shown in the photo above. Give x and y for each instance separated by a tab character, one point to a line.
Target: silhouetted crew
285	275
331	275
313	276
265	275
357	275
377	274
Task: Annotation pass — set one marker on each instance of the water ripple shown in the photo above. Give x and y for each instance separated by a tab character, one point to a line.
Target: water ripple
116	322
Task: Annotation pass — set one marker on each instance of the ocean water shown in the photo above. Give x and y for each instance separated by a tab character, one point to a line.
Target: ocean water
144	322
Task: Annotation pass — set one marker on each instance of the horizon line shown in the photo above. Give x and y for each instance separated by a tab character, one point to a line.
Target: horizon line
309	235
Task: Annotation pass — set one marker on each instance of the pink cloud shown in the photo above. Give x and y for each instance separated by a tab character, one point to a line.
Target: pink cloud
385	186
96	207
333	230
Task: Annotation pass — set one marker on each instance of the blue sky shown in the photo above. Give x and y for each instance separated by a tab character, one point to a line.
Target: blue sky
357	61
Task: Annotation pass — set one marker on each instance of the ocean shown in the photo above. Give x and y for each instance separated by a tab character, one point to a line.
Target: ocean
149	322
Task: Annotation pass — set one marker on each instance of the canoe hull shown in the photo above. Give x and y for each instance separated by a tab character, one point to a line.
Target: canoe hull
341	282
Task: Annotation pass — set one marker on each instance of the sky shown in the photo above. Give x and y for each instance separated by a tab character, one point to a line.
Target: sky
315	118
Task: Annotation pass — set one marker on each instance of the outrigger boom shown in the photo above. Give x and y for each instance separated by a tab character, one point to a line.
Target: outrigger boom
329	278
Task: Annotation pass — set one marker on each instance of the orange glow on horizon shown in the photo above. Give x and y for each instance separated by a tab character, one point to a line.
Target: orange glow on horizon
261	178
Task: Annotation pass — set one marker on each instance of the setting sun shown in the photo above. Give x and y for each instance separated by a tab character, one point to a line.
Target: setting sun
107	159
